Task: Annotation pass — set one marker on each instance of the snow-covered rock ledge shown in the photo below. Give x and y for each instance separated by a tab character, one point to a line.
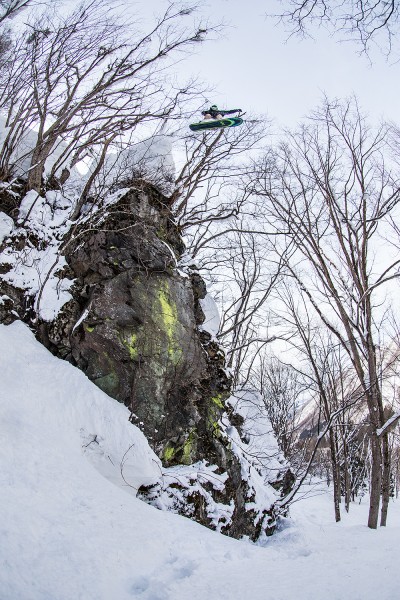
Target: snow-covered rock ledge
108	294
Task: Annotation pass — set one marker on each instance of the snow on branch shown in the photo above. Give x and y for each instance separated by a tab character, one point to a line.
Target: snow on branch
389	423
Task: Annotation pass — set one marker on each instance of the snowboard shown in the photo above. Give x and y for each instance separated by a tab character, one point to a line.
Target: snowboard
216	123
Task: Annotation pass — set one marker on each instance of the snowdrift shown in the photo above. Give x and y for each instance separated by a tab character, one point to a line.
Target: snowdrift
70	531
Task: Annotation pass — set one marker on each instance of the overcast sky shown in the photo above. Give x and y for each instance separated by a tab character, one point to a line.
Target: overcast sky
255	68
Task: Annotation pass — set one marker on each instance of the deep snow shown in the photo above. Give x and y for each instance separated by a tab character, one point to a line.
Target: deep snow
68	532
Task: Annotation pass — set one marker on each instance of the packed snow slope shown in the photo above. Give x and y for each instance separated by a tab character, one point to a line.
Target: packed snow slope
70	531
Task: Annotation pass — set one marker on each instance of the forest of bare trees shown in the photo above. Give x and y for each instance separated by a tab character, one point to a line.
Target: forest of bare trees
301	265
289	236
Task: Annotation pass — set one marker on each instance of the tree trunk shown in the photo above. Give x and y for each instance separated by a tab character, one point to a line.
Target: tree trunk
335	475
39	156
35	178
376	482
347	478
385	479
92	177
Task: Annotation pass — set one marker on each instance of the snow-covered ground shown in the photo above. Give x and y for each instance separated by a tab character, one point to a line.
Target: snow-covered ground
72	529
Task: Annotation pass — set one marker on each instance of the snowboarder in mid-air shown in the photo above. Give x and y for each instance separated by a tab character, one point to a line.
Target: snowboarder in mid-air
215	118
215	113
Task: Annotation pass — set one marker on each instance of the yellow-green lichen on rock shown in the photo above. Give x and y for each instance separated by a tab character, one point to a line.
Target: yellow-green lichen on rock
218	401
130	342
168	453
181	454
189	448
166	314
214	412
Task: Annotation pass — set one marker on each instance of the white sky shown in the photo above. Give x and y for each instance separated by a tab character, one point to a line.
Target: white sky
253	67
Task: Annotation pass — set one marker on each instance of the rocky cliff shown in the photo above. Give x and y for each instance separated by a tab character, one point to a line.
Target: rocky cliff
131	320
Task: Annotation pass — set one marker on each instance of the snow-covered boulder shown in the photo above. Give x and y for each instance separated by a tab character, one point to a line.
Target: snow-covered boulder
110	295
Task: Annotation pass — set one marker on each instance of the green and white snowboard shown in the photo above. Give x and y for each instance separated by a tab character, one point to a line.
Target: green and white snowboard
216	123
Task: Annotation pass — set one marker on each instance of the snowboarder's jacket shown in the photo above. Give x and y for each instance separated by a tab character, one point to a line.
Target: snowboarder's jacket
214	111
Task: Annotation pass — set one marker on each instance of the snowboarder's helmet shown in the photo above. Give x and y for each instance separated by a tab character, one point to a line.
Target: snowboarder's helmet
214	107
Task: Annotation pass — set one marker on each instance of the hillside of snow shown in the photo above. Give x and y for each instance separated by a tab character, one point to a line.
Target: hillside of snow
71	527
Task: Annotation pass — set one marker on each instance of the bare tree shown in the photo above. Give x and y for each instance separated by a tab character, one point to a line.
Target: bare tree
281	388
9	8
249	275
328	376
330	187
211	166
216	215
5	43
366	21
87	79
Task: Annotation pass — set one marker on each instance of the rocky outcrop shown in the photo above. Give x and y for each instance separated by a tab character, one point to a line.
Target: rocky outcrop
132	325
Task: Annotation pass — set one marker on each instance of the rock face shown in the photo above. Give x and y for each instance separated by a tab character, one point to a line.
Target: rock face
132	327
